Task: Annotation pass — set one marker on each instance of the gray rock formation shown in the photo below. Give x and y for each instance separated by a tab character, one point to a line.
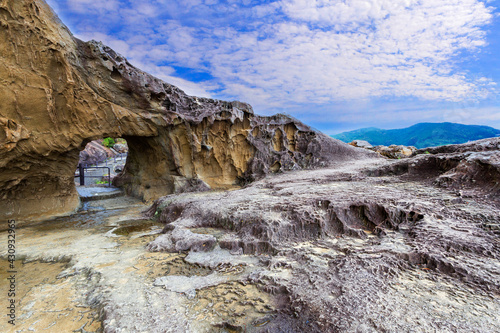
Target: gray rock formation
392	151
479	145
471	169
94	153
363	244
368	246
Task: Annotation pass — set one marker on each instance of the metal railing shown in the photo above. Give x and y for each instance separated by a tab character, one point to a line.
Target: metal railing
81	174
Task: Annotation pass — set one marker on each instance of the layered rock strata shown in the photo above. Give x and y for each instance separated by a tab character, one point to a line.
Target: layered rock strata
369	246
59	93
470	169
349	248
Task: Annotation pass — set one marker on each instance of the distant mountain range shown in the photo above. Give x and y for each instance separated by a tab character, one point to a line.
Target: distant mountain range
421	135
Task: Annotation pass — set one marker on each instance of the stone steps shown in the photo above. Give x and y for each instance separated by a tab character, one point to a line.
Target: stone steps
93	193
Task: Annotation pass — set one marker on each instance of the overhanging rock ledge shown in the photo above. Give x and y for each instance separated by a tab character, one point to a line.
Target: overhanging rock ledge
58	93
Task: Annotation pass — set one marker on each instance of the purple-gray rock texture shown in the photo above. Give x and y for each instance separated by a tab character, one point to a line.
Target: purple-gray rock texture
369	246
266	224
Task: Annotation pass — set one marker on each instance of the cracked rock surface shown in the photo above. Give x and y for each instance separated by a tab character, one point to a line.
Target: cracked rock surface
359	244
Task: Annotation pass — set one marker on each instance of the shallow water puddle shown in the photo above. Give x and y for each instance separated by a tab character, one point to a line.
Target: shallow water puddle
128	228
80	264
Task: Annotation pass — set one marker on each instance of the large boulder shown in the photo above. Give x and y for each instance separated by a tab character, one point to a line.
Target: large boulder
120	148
396	151
361	144
95	153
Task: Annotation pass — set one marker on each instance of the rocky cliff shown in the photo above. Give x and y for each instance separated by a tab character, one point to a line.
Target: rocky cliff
362	245
58	93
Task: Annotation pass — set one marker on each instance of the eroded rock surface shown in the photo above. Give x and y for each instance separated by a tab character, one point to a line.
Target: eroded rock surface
354	247
362	245
470	170
59	93
491	144
365	247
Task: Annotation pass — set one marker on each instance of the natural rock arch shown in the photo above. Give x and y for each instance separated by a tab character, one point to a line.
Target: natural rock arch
58	93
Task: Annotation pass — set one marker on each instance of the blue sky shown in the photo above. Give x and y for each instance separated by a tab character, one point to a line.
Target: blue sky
336	65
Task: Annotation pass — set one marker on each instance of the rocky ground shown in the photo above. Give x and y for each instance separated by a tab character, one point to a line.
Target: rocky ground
352	243
369	246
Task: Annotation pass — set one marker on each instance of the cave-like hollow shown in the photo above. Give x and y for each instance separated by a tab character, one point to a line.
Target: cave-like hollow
58	93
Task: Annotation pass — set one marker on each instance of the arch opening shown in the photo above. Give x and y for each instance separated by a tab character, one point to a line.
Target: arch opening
100	161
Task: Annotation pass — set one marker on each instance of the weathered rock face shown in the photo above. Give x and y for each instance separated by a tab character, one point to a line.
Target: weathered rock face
471	169
369	246
59	93
491	144
364	246
120	148
94	153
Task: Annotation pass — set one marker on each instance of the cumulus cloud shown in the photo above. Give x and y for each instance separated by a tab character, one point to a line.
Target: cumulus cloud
300	52
333	50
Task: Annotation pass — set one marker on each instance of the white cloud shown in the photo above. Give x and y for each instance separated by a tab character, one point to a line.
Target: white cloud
310	52
189	87
467	114
341	12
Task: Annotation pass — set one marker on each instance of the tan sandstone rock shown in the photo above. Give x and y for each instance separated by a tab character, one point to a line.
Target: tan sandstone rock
58	93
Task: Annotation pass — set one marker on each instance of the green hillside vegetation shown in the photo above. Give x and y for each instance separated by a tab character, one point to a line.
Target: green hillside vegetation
421	135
